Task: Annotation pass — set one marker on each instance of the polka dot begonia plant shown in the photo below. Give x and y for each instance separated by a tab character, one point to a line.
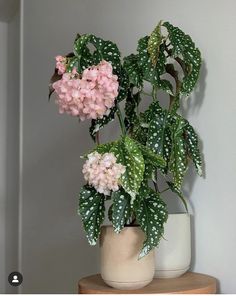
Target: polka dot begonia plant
155	146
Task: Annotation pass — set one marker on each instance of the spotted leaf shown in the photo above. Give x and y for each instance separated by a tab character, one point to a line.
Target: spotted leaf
154	43
123	80
128	154
159	136
151	213
131	105
193	149
104	50
178	159
178	192
121	209
152	73
97	124
151	157
184	47
134	72
91	209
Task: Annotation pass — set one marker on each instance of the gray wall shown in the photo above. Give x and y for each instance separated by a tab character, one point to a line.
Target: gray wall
54	251
9	149
3	133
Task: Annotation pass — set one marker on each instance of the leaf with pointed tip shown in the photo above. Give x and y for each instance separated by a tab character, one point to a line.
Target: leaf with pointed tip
178	159
129	155
177	191
193	149
154	43
159	136
55	77
121	209
91	209
134	72
151	213
152	73
184	47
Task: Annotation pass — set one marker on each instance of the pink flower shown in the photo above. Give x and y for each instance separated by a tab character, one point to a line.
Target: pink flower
61	64
90	95
103	172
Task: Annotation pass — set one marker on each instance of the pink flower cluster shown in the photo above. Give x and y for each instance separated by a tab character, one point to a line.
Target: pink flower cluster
103	172
89	95
61	64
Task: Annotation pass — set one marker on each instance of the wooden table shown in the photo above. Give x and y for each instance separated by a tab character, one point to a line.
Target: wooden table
189	283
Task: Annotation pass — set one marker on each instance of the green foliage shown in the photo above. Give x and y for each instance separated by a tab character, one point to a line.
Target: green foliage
156	140
91	209
151	214
184	48
121	209
128	154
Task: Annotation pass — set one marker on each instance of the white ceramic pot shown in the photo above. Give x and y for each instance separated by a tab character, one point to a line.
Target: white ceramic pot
120	267
173	256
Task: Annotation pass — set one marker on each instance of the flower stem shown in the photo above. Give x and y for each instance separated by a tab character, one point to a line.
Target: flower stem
165	190
121	120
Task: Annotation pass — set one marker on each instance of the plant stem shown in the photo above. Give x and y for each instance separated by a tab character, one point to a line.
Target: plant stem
154	93
165	190
121	120
97	138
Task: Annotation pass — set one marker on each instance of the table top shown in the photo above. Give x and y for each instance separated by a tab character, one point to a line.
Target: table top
189	283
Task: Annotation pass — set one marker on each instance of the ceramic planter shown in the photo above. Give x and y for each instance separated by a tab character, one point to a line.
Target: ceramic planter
173	256
120	267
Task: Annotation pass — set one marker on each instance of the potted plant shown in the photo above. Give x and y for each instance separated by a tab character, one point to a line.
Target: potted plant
155	144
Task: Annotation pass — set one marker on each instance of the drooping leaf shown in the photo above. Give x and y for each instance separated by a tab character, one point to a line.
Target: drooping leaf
159	136
151	214
177	191
154	43
123	80
97	124
131	105
121	209
152	73
178	160
184	47
128	154
193	149
91	209
105	50
134	72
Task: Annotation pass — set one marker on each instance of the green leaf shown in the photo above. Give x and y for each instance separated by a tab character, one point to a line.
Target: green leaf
159	136
152	73
193	149
134	72
105	50
110	210
151	157
177	191
184	47
97	124
123	80
151	212
154	43
131	105
128	154
91	209
121	209
178	161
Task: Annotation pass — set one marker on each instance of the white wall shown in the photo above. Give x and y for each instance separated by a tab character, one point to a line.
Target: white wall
3	133
55	253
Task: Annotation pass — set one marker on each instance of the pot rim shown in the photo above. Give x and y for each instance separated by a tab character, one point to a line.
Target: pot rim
128	226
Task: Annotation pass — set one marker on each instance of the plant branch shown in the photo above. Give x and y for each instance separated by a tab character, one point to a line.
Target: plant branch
97	138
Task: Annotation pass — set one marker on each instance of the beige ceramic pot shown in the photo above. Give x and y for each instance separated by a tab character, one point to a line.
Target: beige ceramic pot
173	255
120	267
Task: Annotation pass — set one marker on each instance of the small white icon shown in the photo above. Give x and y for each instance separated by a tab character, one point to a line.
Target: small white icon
15	279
